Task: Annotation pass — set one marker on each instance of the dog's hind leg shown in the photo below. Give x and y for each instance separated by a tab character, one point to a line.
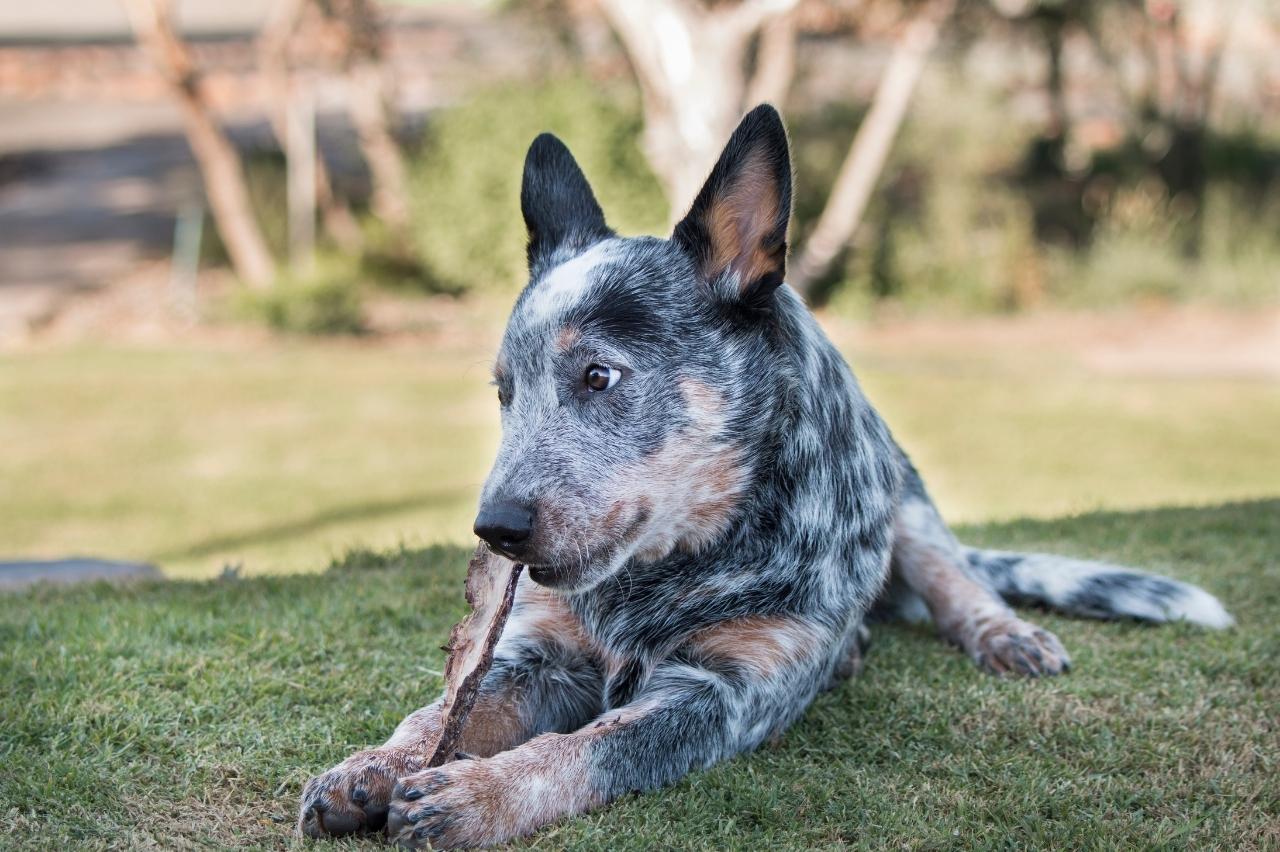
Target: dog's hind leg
929	562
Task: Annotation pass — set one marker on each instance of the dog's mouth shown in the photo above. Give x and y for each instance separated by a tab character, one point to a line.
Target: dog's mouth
550	575
574	560
576	573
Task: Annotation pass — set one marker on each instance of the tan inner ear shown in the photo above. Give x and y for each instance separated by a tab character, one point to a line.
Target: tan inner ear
740	218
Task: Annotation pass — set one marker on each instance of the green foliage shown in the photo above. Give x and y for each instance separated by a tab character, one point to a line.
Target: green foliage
466	179
945	231
1135	252
966	218
266	180
181	715
325	303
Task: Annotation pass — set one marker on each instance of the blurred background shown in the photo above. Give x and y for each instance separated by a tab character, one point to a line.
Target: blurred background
255	256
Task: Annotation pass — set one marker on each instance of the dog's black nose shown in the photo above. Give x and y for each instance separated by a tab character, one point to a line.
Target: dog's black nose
505	525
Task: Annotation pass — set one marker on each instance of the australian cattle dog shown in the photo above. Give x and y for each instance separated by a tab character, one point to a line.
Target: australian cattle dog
710	511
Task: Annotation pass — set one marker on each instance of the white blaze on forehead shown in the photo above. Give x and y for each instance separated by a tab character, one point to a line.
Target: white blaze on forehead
564	285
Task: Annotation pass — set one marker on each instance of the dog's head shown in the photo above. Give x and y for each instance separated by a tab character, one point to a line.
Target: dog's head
630	374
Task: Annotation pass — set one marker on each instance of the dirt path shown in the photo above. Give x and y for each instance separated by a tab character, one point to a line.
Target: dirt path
1170	341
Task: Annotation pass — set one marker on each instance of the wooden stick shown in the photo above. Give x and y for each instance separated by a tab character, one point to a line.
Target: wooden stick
491	591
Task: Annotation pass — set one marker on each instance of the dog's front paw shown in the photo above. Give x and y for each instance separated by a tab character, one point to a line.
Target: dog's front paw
1018	647
462	804
483	801
354	795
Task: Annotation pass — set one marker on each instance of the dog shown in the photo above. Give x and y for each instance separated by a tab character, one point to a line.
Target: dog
710	511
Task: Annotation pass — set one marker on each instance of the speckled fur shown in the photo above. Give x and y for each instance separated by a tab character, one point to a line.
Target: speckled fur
711	533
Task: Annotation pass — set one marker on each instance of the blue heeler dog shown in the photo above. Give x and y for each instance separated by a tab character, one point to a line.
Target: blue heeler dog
710	510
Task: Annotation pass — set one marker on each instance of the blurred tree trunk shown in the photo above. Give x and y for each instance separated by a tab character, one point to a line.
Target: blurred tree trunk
359	29
691	63
1182	101
220	165
301	159
1052	23
870	148
274	59
775	64
370	112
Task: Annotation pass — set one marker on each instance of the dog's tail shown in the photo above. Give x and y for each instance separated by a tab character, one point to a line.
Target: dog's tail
1094	589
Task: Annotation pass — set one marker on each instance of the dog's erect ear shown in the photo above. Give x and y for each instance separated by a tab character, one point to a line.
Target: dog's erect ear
556	200
737	227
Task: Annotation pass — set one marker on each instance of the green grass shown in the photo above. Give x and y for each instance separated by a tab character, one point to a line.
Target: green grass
279	457
275	457
189	714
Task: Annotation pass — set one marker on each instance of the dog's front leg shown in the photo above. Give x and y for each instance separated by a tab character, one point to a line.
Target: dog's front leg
686	717
541	680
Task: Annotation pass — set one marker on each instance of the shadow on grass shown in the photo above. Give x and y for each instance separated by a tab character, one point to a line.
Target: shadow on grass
271	533
1163	532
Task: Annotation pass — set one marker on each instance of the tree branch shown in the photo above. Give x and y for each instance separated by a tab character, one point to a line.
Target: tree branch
865	160
775	63
220	167
281	28
750	15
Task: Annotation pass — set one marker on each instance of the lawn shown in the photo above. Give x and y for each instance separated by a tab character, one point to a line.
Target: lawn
279	457
188	714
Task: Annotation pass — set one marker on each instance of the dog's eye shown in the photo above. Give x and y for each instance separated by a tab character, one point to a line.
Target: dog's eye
504	391
600	377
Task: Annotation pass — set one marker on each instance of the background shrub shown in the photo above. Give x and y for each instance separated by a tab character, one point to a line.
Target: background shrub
325	303
466	177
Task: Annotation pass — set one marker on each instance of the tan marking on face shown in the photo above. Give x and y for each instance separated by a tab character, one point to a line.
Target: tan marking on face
705	403
739	219
710	516
764	644
567	338
611	522
693	482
